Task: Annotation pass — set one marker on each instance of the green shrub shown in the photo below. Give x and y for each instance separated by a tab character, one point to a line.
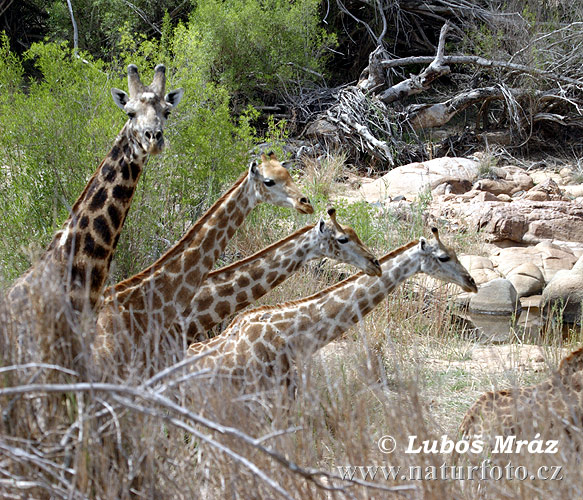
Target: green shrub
260	46
58	128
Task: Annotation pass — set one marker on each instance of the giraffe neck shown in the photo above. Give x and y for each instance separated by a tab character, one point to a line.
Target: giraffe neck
232	288
82	250
311	323
167	287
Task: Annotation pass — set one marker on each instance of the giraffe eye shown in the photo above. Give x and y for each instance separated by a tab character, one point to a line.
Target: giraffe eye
166	114
269	182
131	114
443	258
343	240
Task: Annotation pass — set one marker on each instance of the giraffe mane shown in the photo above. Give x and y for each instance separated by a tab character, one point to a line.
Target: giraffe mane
82	196
263	251
325	291
177	248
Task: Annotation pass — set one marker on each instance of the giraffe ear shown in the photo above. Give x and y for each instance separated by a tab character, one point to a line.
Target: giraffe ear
174	97
322	225
120	98
253	169
423	244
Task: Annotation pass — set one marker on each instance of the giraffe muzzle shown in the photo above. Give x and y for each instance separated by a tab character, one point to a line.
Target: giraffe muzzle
470	285
374	268
155	141
304	206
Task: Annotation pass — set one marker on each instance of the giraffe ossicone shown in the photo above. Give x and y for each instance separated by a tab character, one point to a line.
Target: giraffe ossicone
146	305
261	346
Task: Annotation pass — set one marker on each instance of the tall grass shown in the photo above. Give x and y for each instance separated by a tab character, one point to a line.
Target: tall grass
121	435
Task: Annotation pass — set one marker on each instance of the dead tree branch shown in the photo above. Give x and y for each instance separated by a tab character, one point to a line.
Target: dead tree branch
486	63
417	84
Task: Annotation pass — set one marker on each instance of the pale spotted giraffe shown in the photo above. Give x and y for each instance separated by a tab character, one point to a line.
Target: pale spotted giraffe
550	407
69	277
142	308
232	288
261	346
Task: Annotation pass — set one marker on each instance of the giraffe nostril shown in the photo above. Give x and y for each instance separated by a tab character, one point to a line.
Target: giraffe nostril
159	135
148	135
376	262
304	200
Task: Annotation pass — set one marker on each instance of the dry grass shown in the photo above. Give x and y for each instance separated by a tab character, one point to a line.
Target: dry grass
406	370
396	374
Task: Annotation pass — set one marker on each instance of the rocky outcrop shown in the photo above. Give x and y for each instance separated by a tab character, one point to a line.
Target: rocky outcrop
547	257
521	221
547	191
411	180
505	180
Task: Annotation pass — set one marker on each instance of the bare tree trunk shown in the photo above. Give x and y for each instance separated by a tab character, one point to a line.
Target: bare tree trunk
75	30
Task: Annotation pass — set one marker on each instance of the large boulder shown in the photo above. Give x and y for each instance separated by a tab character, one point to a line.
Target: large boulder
497	297
521	221
414	179
547	257
480	268
527	279
564	294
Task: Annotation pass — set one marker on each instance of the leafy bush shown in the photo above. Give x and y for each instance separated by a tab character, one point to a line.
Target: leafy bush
261	46
57	129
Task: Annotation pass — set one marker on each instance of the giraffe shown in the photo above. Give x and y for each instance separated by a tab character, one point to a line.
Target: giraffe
78	258
260	346
550	407
147	304
232	288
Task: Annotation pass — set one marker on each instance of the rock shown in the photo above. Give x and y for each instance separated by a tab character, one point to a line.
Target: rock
452	186
527	279
509	180
415	178
564	294
547	191
532	302
480	268
575	190
521	221
496	186
495	297
566	174
548	258
540	176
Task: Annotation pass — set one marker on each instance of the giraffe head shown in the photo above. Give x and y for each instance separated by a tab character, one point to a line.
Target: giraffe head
343	244
441	262
274	185
147	108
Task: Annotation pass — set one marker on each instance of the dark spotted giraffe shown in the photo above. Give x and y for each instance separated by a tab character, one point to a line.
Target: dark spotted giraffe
551	408
69	277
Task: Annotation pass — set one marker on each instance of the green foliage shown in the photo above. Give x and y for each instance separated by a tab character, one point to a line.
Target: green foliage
52	133
102	22
255	46
57	129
